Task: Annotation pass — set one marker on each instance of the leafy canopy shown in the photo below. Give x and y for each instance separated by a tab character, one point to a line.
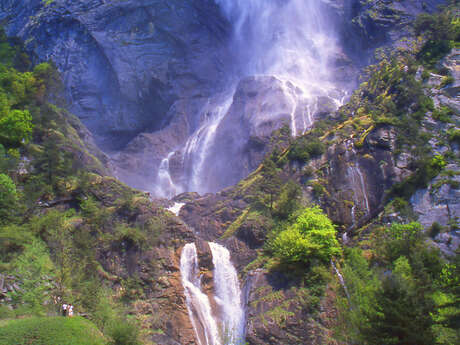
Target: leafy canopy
312	236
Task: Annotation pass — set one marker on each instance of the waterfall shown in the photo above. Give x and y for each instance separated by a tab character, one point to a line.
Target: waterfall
360	192
176	208
197	146
198	304
342	282
228	295
165	185
226	325
363	187
292	40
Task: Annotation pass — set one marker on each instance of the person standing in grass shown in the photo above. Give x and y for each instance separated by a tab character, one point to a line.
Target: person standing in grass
64	309
70	307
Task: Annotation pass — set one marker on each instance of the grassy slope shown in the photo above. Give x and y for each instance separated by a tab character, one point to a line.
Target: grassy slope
50	331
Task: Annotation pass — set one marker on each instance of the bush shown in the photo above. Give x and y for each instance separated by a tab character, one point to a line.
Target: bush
447	80
123	332
441	32
8	198
16	127
442	114
454	135
312	236
305	148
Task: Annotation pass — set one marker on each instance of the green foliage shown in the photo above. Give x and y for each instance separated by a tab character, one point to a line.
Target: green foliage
8	198
399	297
16	127
454	135
425	170
35	270
123	332
362	303
12	52
13	239
272	181
399	240
50	331
311	237
306	147
8	192
441	31
443	114
288	200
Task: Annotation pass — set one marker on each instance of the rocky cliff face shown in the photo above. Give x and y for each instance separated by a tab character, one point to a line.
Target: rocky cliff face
124	63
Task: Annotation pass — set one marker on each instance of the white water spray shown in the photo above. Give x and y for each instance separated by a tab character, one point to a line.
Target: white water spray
228	295
197	146
198	304
165	184
289	38
226	325
292	40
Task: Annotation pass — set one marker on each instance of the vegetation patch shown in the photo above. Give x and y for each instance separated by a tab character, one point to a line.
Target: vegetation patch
50	331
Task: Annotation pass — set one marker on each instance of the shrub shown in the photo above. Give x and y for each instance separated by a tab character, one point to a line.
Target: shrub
435	229
442	114
312	236
447	80
454	135
305	148
16	127
123	332
8	198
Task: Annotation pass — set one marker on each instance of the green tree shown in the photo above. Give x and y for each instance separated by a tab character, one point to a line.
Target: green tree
16	127
312	236
362	303
271	182
288	201
8	198
35	270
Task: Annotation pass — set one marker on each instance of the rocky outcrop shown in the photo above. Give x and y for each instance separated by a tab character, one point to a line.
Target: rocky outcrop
370	24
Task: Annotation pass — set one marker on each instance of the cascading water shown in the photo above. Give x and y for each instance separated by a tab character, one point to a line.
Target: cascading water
165	184
292	40
226	325
197	146
228	295
360	192
198	304
289	38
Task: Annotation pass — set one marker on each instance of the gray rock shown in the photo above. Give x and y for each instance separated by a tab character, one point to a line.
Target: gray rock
442	205
124	63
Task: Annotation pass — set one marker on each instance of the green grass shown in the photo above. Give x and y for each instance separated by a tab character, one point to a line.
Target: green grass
50	331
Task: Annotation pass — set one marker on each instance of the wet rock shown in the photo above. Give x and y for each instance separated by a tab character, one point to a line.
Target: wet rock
204	255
